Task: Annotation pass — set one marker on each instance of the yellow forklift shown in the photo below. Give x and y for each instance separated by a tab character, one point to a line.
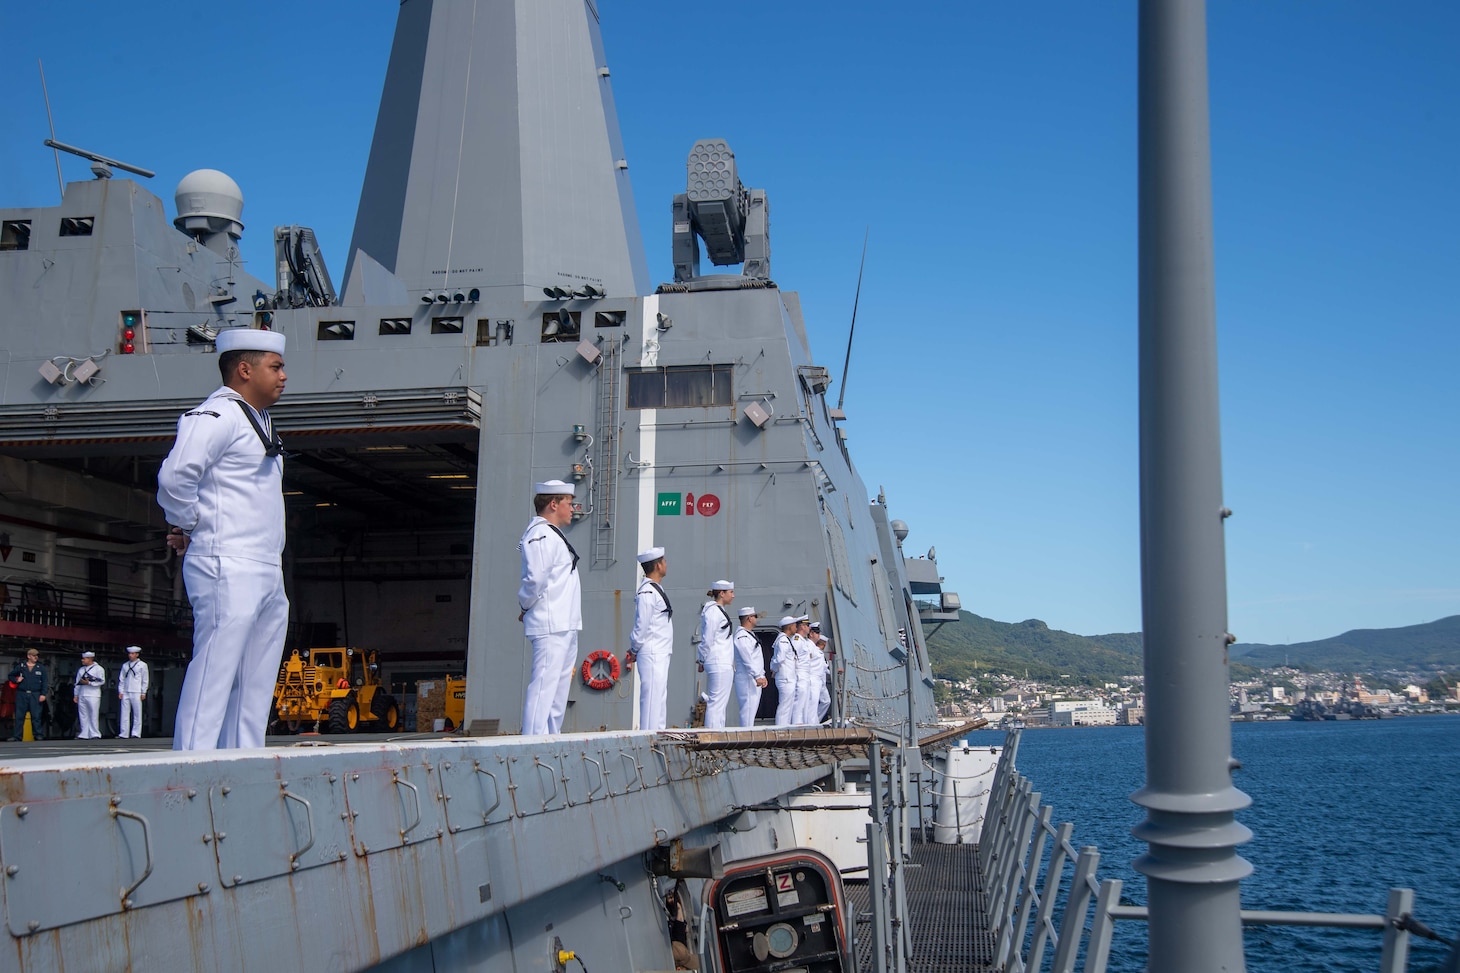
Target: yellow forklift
338	690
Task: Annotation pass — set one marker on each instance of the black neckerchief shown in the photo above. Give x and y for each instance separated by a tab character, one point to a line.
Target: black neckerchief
729	625
668	608
273	445
132	666
565	541
84	673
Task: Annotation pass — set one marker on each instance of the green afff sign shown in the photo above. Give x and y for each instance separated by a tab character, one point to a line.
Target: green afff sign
669	504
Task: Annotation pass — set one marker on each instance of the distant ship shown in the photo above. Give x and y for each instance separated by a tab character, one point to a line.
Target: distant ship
1308	710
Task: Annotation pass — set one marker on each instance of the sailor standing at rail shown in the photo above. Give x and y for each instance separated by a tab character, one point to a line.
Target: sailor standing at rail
823	702
810	669
551	600
652	641
749	667
86	694
783	666
716	654
221	488
131	690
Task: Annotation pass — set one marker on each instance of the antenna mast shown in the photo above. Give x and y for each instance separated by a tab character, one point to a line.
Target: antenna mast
851	333
47	96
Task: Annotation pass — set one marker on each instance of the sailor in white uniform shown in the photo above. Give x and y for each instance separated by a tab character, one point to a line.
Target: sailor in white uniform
749	667
810	669
784	668
131	690
551	601
823	703
221	489
86	694
652	641
716	654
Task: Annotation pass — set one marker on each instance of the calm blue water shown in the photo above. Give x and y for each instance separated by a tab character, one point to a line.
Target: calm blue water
1341	813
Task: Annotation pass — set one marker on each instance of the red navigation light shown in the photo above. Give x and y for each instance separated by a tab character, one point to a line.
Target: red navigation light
132	322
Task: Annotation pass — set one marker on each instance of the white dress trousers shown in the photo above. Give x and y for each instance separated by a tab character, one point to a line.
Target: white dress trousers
551	600
88	700
717	655
652	640
783	662
131	686
554	657
240	614
749	666
220	485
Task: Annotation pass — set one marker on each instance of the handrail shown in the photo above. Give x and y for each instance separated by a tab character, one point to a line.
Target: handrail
1024	882
116	812
308	820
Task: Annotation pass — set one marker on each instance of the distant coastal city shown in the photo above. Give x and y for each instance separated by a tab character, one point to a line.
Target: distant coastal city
1279	694
1027	674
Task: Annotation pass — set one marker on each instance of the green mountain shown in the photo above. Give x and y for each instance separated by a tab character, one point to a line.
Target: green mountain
1431	645
974	644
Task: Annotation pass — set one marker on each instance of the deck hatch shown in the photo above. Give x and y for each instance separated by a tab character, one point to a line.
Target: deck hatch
297	821
115	837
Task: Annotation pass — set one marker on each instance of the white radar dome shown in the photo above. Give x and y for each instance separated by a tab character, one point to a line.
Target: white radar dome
209	193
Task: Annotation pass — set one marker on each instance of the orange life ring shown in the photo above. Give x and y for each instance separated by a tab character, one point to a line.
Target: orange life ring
600	682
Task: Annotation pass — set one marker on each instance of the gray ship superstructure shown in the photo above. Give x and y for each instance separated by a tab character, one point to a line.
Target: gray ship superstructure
494	328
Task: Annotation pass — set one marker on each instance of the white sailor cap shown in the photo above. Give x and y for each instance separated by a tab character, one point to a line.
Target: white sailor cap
88	654
723	586
747	610
652	554
815	626
134	648
804	618
249	339
553	488
787	620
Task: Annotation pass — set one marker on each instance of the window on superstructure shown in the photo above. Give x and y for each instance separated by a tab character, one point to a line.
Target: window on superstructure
562	325
77	225
15	235
494	331
680	387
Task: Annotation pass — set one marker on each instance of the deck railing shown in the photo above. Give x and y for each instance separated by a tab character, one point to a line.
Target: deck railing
1025	857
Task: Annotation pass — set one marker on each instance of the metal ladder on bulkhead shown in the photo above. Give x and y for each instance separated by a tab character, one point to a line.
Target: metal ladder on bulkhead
605	472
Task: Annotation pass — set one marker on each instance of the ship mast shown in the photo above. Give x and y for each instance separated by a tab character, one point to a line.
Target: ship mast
1192	869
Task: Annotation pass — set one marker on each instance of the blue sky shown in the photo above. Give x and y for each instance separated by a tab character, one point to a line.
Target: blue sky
990	148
